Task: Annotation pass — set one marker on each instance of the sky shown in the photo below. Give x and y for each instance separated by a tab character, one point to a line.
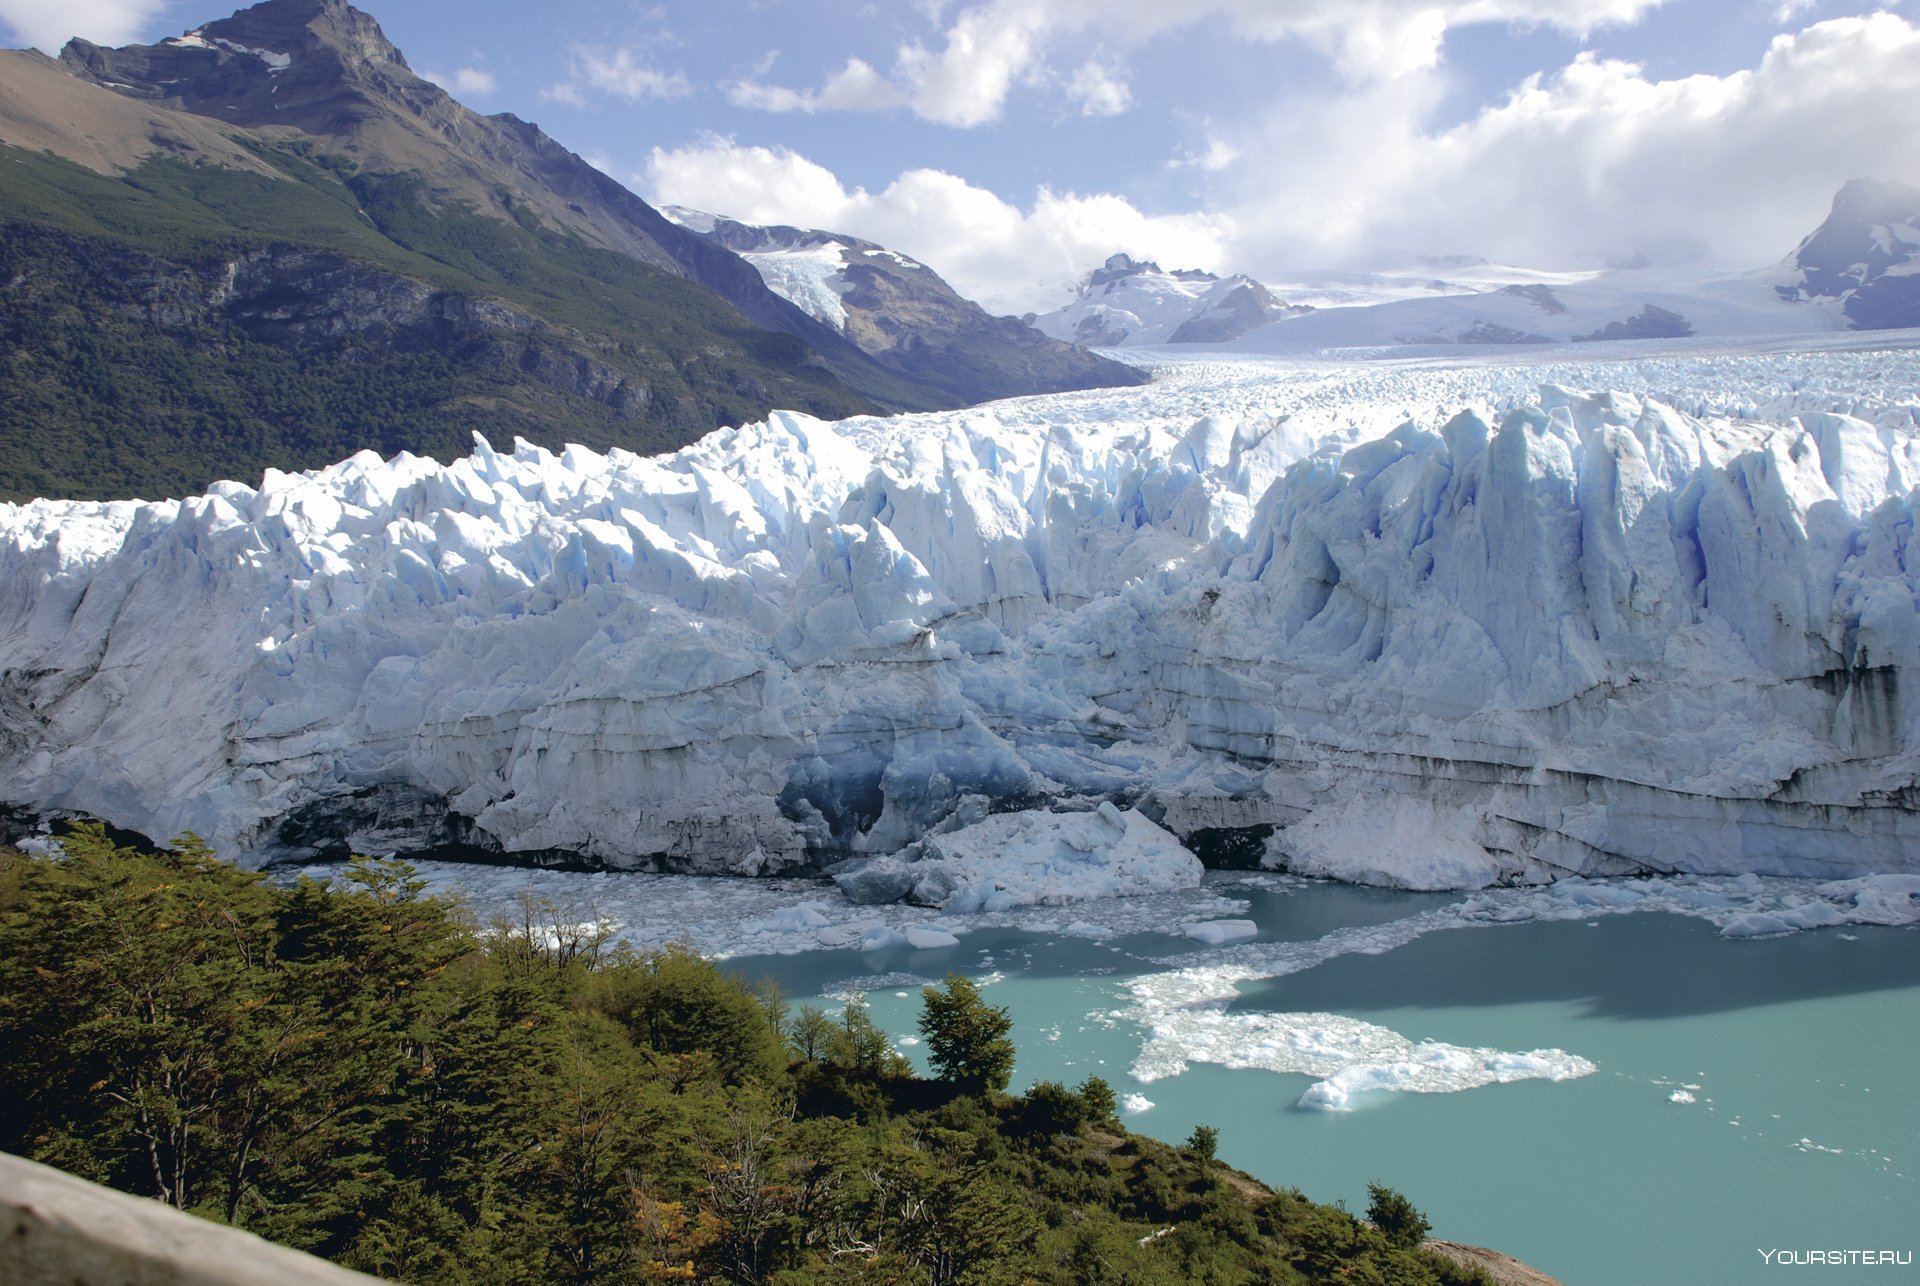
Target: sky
1013	145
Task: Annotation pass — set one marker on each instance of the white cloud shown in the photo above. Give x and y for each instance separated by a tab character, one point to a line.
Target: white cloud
991	47
1099	91
1367	39
857	87
1008	258
966	83
49	24
1217	155
467	80
616	72
1598	160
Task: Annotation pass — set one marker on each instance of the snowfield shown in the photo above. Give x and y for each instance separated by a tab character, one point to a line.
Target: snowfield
1434	624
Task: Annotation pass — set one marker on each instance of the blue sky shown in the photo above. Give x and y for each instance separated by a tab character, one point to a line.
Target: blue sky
1013	144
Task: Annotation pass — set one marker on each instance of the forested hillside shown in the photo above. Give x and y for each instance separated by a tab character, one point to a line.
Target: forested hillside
355	1070
181	323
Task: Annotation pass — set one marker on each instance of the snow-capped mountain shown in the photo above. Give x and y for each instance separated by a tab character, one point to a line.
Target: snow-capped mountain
904	314
1580	308
1859	271
1866	254
1130	303
1522	631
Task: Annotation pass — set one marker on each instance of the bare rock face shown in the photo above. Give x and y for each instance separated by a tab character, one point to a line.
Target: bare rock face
1651	322
1503	1269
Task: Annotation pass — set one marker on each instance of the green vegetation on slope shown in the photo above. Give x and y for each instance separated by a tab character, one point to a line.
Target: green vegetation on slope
354	1070
185	323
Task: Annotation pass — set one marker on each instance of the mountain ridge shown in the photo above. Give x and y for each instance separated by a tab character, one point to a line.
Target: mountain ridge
331	253
1859	270
1132	302
342	79
905	315
1866	253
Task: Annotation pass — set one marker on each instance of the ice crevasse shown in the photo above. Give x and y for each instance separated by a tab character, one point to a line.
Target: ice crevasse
1523	632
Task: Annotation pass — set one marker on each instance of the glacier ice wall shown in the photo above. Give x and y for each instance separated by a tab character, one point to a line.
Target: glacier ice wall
1420	624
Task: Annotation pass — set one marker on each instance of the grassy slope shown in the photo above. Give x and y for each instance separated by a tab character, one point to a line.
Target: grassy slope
97	401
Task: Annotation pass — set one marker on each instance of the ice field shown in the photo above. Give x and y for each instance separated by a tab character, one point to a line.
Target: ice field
1436	624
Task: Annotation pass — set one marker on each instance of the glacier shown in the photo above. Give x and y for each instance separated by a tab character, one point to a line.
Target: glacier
1436	624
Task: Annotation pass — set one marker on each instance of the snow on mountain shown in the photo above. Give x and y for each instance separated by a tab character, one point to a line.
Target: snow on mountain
1860	270
904	314
1128	303
1537	629
1866	254
807	268
1423	278
1588	307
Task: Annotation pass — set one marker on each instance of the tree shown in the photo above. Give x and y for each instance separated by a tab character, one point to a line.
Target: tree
859	1045
811	1034
1203	1143
1102	1107
1395	1217
130	984
966	1037
674	1002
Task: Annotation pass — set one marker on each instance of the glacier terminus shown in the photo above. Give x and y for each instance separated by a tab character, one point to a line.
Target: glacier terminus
1434	624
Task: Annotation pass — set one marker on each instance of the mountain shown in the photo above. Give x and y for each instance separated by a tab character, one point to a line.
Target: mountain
1866	254
905	316
1859	271
1578	308
1126	302
1418	623
267	243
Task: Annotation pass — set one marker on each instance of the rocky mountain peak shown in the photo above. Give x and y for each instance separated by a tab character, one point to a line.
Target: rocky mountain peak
308	25
322	66
1871	228
1876	201
1864	253
1117	268
1120	267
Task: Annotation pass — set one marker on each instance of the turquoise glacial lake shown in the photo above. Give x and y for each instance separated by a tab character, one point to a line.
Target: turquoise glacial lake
1798	1054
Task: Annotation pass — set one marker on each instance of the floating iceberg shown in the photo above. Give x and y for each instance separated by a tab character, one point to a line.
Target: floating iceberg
1036	858
1217	932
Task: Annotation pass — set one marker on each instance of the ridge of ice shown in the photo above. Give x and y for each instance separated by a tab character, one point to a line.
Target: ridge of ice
1437	625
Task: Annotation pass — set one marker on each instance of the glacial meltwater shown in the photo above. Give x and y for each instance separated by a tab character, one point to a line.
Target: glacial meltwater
1614	1094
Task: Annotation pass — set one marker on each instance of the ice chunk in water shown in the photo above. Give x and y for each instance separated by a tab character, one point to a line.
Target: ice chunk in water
1215	932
